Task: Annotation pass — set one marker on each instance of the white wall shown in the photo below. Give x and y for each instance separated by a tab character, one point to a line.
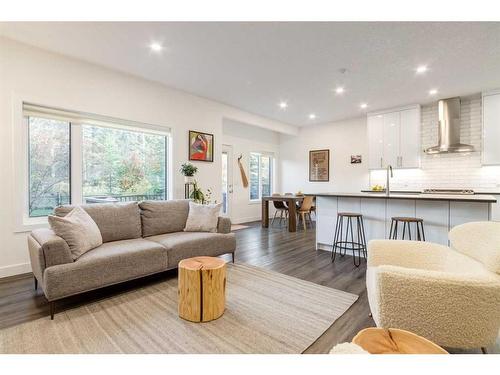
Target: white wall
343	139
244	139
54	80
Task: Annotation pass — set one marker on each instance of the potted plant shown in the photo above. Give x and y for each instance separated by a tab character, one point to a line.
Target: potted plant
197	194
188	170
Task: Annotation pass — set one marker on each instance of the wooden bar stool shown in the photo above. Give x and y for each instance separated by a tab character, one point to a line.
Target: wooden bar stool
359	245
407	221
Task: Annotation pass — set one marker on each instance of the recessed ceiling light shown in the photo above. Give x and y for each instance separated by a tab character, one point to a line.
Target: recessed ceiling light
339	90
312	116
422	69
283	105
156	47
363	105
433	92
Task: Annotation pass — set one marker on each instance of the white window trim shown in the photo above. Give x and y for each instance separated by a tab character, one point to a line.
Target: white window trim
261	153
20	156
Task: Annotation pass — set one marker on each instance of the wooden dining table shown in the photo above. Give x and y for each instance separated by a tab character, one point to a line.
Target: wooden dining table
290	201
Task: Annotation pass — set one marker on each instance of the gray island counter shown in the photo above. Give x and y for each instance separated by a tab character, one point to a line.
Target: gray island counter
440	212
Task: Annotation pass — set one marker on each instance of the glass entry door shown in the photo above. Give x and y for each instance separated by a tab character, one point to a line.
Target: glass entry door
227	178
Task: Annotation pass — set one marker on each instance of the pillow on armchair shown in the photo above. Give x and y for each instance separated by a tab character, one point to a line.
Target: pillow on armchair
202	217
78	229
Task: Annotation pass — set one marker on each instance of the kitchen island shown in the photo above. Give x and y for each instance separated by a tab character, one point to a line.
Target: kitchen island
440	212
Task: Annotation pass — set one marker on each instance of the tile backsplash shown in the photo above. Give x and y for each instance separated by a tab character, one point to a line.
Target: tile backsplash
447	170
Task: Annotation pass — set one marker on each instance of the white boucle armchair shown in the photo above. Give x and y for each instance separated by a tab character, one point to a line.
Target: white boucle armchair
450	296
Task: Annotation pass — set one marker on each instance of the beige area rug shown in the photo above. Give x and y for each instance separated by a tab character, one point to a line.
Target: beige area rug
235	227
266	312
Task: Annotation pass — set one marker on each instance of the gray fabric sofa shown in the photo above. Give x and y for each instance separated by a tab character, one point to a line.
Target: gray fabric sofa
139	239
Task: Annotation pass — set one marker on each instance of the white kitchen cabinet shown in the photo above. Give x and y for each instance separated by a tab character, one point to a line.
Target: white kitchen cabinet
464	212
394	138
391	139
491	129
436	220
495	209
326	220
409	142
376	141
373	211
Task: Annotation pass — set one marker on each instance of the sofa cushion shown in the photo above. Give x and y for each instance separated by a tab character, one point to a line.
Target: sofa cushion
202	217
116	221
110	263
159	217
182	245
78	229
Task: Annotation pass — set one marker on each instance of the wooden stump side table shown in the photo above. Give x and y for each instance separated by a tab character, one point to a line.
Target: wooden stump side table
202	288
394	341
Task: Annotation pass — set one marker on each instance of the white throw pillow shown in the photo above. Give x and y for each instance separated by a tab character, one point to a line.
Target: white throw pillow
78	229
202	217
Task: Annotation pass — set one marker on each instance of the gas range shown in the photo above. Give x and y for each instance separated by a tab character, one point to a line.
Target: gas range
449	191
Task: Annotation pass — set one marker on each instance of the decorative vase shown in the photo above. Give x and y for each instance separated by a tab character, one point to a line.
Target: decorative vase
188	179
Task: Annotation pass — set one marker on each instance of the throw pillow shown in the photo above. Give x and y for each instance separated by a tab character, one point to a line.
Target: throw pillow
202	217
78	229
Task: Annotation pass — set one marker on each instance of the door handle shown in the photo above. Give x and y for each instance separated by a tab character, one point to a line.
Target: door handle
381	163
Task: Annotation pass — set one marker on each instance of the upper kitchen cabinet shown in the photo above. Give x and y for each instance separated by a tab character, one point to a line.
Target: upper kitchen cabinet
376	141
409	141
394	138
491	128
391	139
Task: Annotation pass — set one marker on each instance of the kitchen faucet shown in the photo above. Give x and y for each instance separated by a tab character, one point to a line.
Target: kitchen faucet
389	171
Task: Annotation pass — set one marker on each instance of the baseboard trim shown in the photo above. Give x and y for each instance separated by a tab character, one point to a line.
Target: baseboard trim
14	269
245	220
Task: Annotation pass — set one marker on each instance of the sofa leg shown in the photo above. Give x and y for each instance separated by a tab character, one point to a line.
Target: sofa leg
483	349
232	255
36	283
52	308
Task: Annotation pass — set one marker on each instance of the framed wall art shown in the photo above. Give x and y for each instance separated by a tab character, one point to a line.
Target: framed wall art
201	146
356	159
319	165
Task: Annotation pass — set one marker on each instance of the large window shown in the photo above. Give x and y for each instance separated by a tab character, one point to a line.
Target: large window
122	165
72	159
261	175
49	165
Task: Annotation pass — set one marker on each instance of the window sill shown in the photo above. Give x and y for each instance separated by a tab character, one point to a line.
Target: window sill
28	224
255	201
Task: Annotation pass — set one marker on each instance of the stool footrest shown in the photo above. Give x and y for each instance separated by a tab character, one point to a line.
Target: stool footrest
341	241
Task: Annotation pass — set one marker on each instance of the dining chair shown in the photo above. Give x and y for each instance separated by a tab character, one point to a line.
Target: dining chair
304	211
313	207
281	208
297	205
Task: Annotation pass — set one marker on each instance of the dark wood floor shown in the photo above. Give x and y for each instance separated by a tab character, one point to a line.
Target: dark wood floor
294	254
274	248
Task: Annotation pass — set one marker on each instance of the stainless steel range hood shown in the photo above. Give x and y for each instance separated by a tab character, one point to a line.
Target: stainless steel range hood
449	128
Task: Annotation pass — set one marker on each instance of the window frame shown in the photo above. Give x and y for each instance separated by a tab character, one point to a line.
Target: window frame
271	157
21	157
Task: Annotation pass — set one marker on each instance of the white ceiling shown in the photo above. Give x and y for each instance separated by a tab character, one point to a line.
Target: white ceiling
254	66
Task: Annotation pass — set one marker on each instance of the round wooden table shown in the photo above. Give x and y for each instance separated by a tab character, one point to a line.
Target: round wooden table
202	288
395	341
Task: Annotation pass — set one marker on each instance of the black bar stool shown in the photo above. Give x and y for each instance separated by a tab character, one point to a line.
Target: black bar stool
407	221
359	245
